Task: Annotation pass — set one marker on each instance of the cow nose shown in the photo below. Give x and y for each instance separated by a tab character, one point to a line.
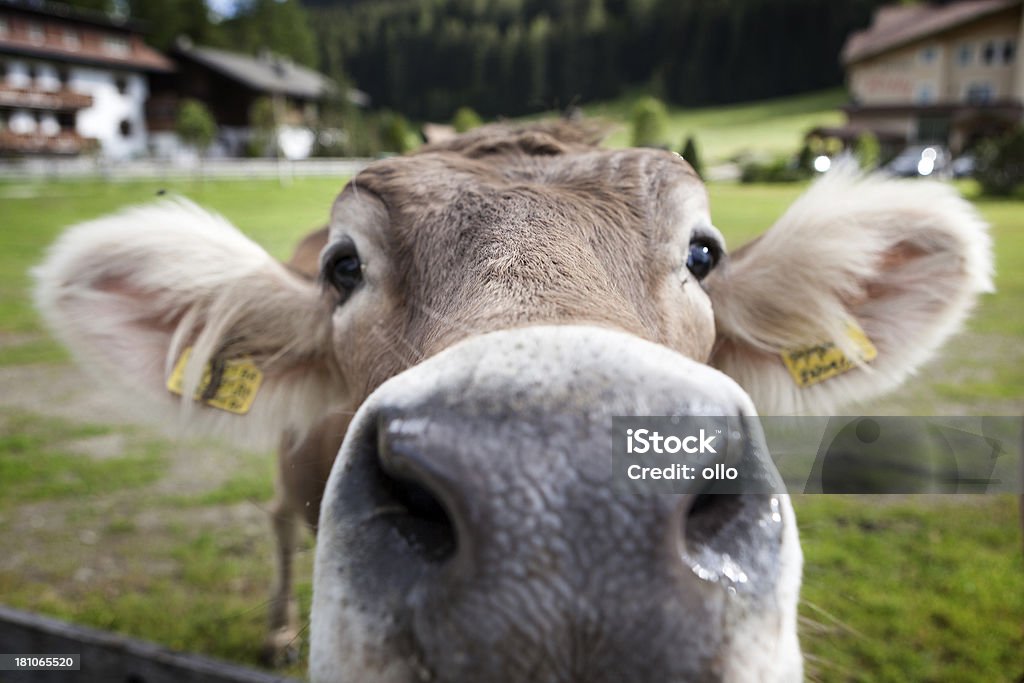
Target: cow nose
438	506
473	503
436	467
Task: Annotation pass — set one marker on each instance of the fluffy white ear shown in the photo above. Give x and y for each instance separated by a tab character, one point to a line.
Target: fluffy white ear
130	292
905	260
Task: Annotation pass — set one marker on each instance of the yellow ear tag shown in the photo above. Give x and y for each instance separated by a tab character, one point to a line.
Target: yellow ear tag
229	385
813	364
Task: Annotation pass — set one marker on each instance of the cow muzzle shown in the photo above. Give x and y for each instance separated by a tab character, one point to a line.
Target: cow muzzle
471	531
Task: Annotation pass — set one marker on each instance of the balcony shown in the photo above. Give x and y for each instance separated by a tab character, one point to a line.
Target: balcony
32	98
65	143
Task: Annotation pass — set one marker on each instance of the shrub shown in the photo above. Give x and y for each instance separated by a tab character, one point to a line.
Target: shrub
692	156
263	123
805	158
195	125
650	123
1000	163
778	170
395	132
466	119
867	150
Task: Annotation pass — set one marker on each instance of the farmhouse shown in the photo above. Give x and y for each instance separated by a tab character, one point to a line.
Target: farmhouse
947	73
230	83
72	80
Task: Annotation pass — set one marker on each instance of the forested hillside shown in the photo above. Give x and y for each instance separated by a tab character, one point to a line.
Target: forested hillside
427	57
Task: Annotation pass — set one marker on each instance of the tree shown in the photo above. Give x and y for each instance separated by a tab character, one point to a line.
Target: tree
281	26
466	119
167	19
650	123
263	123
195	125
692	156
1000	164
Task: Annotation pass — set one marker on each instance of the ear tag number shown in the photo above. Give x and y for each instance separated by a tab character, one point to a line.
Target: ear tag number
229	385
817	363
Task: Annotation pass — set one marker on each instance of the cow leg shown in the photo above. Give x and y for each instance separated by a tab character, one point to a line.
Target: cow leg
282	643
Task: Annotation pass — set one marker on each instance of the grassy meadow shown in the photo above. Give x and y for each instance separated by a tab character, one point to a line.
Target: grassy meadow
767	127
118	526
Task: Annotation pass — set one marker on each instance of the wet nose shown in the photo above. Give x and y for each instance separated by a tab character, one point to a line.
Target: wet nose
475	493
443	478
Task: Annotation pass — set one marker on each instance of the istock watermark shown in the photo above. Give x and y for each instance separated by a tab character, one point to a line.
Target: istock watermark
845	454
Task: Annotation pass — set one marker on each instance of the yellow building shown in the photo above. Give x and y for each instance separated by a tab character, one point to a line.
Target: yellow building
948	73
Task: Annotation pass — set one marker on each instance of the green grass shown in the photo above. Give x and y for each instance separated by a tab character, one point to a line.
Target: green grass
42	350
895	589
769	127
212	601
899	591
38	462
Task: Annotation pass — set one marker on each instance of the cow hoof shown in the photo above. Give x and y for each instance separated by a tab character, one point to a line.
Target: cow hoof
281	648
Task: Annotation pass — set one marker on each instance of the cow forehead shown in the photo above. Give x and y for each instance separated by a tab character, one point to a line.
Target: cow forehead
573	193
643	173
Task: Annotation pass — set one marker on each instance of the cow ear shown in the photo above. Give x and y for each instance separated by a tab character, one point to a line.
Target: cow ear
132	294
857	285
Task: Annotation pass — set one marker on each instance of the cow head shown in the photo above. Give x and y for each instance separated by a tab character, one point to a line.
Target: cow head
484	308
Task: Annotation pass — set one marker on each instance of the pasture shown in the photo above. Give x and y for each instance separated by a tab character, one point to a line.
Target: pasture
126	528
767	127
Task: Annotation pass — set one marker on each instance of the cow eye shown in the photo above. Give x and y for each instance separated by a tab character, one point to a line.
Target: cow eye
343	269
703	257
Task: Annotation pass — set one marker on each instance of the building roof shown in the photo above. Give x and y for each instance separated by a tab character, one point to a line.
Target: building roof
267	73
894	26
140	57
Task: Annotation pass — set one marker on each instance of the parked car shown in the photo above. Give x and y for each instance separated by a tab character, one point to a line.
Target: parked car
921	161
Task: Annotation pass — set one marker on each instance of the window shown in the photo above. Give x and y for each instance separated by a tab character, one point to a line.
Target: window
35	32
71	39
988	55
929	54
925	94
980	93
1009	51
965	55
117	46
64	76
122	84
125	128
66	120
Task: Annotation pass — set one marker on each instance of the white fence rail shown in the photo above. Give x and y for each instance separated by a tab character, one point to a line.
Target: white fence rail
53	169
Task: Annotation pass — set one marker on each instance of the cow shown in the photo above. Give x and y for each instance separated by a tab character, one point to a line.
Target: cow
445	385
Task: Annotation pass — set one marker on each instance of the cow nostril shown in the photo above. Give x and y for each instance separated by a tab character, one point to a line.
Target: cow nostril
724	536
420	518
406	500
707	517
